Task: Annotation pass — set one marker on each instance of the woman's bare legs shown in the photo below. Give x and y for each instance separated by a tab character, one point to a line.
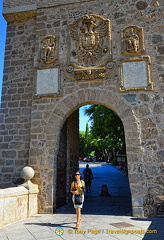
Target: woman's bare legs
78	213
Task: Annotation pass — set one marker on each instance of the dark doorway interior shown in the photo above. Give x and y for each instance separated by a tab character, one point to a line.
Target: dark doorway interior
61	168
67	159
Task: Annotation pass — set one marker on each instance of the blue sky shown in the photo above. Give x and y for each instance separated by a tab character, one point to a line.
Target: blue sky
83	118
2	43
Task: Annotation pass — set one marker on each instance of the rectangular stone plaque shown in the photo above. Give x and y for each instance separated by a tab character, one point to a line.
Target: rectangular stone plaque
135	75
47	81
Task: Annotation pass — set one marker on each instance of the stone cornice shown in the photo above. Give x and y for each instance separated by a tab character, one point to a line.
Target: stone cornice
9	4
24	12
19	13
52	3
19	16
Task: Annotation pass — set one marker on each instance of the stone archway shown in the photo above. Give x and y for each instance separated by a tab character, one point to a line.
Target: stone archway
63	109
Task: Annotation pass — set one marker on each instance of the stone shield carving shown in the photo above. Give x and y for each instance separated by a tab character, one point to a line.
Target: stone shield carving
132	41
90	49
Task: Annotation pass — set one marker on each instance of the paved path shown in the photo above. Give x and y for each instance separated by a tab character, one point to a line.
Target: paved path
101	215
118	186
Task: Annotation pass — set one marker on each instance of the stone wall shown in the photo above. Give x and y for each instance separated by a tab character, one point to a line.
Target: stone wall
37	121
15	112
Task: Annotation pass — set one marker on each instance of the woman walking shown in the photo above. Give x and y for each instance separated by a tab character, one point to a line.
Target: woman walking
77	188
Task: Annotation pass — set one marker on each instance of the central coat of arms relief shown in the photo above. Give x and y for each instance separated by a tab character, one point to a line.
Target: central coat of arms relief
90	49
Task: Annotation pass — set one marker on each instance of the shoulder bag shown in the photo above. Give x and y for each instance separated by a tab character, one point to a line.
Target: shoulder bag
78	199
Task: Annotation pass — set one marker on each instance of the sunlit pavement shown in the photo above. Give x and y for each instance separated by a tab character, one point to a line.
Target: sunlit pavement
102	217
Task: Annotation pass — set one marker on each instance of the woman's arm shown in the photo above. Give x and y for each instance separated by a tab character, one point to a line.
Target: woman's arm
72	188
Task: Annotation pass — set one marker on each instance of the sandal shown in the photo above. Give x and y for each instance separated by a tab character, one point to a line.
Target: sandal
77	225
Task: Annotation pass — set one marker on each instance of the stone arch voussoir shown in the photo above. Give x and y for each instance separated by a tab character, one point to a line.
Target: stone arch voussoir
72	102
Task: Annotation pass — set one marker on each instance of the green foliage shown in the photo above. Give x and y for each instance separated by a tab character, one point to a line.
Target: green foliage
114	162
106	134
85	143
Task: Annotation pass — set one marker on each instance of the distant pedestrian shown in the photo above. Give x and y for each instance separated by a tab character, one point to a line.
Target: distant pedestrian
88	176
77	188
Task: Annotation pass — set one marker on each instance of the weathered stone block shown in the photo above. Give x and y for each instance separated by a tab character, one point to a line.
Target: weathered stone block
147	122
19	163
144	97
7	169
149	133
132	134
161	49
137	201
161	141
132	157
21	207
157	39
137	189
150	210
1	211
142	110
159	180
159	199
130	97
7	177
138	212
152	170
162	168
158	108
136	177
9	162
156	190
4	146
36	115
23	154
33	204
10	209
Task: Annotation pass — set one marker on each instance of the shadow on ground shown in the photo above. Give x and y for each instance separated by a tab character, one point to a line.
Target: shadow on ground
155	230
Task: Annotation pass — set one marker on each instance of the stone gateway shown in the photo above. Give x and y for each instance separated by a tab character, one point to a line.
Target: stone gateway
61	55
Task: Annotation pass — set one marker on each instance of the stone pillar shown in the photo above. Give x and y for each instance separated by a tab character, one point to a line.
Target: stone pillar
27	174
20	202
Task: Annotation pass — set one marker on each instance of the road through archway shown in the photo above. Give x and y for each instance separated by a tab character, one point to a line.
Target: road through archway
119	203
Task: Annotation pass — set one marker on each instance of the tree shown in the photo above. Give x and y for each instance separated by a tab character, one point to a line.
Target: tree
107	132
85	143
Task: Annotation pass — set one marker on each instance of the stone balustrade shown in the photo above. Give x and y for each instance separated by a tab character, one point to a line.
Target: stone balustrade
20	202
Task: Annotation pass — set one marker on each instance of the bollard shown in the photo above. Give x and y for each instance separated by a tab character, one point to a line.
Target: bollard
104	191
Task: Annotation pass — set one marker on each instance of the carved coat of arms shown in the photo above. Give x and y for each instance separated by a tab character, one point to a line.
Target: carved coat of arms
90	48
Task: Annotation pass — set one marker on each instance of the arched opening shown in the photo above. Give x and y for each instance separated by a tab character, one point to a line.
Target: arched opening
67	157
105	170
